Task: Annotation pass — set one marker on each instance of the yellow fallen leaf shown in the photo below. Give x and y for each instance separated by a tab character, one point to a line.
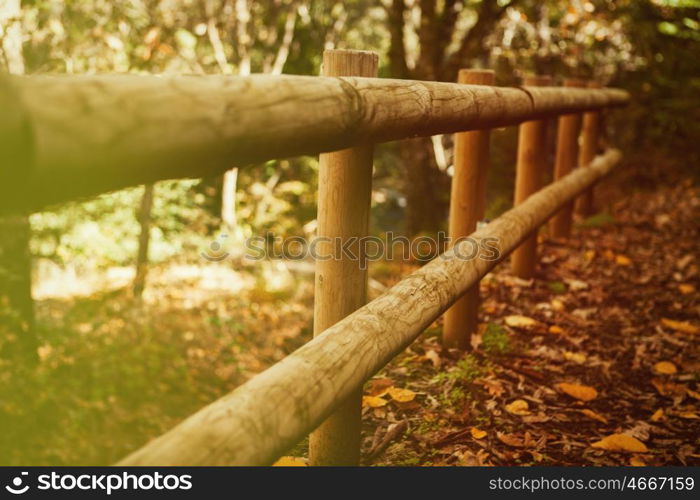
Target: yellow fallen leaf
401	395
680	326
520	321
621	442
622	260
290	462
658	415
594	415
557	305
635	461
556	330
665	368
693	394
477	433
576	357
582	392
518	407
686	289
373	402
689	415
589	255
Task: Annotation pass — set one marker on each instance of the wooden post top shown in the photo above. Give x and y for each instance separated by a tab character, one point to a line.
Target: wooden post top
342	62
476	76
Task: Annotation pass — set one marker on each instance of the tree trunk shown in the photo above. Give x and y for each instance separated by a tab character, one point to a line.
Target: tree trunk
16	303
424	210
144	217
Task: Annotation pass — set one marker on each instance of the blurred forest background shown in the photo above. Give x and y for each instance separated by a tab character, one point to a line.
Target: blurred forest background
130	328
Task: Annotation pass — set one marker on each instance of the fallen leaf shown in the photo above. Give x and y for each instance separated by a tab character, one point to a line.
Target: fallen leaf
668	388
589	255
510	440
658	415
555	330
516	321
576	357
582	392
401	395
290	462
686	289
680	326
622	260
576	285
621	442
689	415
373	402
594	415
378	386
693	394
557	305
494	387
518	407
379	413
434	358
477	433
635	461
665	368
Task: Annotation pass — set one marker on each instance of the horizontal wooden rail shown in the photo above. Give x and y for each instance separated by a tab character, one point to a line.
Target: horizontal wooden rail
93	134
269	414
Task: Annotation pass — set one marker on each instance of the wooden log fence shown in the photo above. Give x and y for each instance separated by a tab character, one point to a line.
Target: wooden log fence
273	411
87	135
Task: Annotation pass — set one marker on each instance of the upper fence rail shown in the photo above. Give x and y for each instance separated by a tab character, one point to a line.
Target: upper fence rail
91	134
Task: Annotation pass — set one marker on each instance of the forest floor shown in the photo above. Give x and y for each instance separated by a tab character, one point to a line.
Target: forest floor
596	361
613	311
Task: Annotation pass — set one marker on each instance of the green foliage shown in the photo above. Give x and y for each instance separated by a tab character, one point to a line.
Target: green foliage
557	287
103	231
465	371
599	220
495	339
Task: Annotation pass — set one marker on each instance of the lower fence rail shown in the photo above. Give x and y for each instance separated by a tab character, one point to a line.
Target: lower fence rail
266	416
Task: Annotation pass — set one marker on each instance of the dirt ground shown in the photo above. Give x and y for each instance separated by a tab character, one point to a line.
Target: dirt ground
594	362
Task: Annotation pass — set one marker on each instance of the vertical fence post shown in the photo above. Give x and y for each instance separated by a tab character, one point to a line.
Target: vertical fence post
344	196
566	158
467	205
532	156
590	143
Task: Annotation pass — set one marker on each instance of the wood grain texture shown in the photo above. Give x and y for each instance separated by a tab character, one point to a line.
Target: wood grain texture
344	199
467	206
270	413
530	166
94	134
